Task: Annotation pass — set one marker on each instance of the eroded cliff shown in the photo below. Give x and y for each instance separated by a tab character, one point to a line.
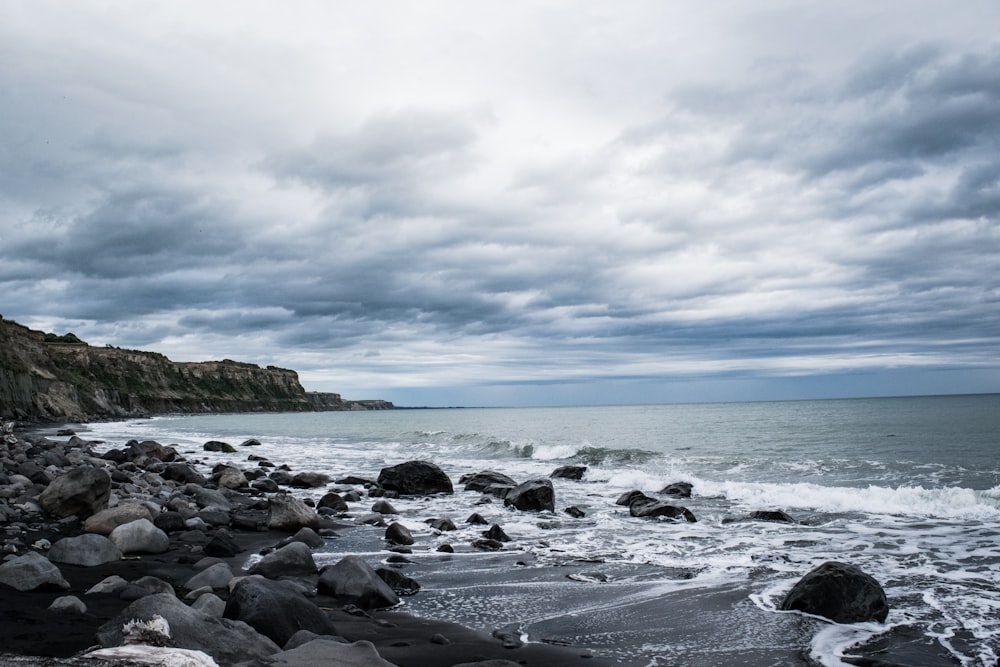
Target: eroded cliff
46	376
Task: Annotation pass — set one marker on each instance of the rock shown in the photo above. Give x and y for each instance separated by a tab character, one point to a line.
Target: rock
293	559
82	491
152	449
352	580
306	536
569	472
232	478
88	550
415	478
480	481
113	584
477	520
840	592
651	508
108	519
397	581
330	653
266	485
334	501
251	442
68	604
228	642
575	512
443	525
533	495
222	546
153	585
218	446
215	576
397	533
288	513
209	499
487	544
678	489
183	473
275	609
31	572
771	515
630	497
210	604
309	480
140	536
384	507
446	549
510	638
496	533
169	522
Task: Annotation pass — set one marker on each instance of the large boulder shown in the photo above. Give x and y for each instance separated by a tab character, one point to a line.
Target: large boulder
108	519
82	491
88	550
840	592
415	478
183	473
141	537
214	576
352	580
292	559
649	508
227	641
533	495
288	513
31	572
275	609
575	473
678	489
481	481
232	478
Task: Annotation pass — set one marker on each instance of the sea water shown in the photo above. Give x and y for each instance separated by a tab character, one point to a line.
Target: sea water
907	489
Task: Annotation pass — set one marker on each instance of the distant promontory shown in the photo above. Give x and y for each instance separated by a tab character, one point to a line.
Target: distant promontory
47	376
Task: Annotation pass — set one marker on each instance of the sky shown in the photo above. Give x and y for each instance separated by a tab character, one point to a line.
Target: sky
514	203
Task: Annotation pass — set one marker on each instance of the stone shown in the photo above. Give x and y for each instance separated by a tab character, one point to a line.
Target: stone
678	489
232	478
209	499
140	536
275	609
575	512
384	507
771	515
219	446
153	585
324	652
265	485
477	519
31	572
152	449
210	604
569	472
840	592
108	519
227	641
183	473
136	655
415	478
292	559
352	580
215	576
630	497
251	442
650	508
480	481
397	533
309	480
307	536
113	584
443	525
398	582
487	544
533	495
82	492
88	550
288	513
496	533
170	522
222	546
68	604
334	501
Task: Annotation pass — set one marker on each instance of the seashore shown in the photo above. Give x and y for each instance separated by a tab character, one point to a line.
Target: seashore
59	605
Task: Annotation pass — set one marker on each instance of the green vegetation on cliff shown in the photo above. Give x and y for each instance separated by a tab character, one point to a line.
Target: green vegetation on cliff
45	375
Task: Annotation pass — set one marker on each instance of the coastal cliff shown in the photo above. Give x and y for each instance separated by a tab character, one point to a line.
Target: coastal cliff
44	376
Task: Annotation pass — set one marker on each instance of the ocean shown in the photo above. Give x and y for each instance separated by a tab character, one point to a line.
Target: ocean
907	489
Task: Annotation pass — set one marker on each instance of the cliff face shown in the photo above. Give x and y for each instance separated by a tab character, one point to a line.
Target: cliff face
43	376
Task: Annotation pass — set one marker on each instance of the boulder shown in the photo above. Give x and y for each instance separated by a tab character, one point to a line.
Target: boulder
134	655
650	508
771	515
31	572
384	507
330	652
496	533
214	576
169	522
444	524
152	449
569	472
575	512
288	513
88	550
334	501
397	581
275	609
183	473
227	641
82	491
140	536
480	481
309	480
108	519
209	498
232	478
533	495
630	497
353	581
415	478
68	604
218	446
397	533
678	489
222	546
840	592
252	442
292	559
306	536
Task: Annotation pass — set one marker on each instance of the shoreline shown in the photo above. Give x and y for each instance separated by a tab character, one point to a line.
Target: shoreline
30	628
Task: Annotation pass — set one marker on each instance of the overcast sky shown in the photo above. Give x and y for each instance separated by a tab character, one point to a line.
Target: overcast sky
471	203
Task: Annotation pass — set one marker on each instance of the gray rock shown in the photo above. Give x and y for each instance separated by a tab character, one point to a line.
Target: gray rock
31	572
183	473
209	498
398	582
840	592
678	489
108	519
352	580
480	481
307	536
82	492
569	472
533	495
397	533
219	446
415	478
68	604
215	576
648	509
87	550
228	642
330	653
275	609
290	514
309	480
140	536
112	584
334	501
232	478
292	559
210	604
153	585
384	507
777	516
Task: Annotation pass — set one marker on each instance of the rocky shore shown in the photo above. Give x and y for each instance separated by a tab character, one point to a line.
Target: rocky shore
139	555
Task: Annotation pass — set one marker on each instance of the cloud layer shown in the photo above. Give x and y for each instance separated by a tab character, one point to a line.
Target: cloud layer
535	202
